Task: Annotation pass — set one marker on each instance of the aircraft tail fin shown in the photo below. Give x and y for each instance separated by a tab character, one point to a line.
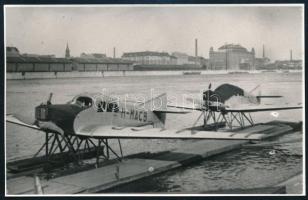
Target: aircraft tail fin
159	107
156	105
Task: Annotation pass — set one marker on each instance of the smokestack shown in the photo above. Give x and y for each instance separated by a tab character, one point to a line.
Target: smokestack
263	51
114	52
291	55
196	47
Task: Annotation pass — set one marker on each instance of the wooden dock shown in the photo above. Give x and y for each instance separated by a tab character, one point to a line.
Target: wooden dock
134	167
263	190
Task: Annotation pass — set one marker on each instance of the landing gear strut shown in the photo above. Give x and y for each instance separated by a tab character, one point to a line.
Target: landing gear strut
71	148
232	119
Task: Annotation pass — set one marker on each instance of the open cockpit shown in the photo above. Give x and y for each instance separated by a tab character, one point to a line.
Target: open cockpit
100	102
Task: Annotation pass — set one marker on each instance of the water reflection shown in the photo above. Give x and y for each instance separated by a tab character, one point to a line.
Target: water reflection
244	168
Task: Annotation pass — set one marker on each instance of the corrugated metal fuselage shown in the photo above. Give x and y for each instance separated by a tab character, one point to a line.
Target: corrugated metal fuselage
72	117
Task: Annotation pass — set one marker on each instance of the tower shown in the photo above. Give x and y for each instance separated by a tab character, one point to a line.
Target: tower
252	65
196	47
196	51
291	55
253	51
67	51
263	51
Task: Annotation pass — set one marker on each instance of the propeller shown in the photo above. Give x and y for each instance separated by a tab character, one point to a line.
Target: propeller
49	99
259	99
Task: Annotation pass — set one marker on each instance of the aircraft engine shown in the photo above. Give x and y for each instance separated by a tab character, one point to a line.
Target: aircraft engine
41	112
212	100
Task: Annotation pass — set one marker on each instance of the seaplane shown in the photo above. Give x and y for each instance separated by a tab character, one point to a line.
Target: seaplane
73	126
230	105
90	119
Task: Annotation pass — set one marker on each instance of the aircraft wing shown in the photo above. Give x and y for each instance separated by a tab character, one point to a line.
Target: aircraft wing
14	120
158	133
42	126
186	107
261	108
170	111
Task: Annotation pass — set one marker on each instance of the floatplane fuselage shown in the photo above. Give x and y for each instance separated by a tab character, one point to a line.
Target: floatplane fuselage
93	110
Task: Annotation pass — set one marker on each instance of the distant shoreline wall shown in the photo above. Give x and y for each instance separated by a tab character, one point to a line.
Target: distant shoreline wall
101	74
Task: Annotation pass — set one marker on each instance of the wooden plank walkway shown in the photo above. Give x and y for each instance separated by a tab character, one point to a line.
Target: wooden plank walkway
294	185
131	169
263	190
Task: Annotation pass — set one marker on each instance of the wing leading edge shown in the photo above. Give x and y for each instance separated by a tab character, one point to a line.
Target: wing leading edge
14	120
42	126
158	133
260	109
244	109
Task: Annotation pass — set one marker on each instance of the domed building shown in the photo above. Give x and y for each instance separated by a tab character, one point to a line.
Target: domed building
231	57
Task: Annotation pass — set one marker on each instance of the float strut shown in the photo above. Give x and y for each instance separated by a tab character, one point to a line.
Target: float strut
120	147
41	148
106	144
46	142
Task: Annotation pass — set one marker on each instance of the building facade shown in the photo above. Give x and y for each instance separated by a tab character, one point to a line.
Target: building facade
101	64
231	57
37	64
92	55
289	64
12	52
16	62
150	58
261	63
182	58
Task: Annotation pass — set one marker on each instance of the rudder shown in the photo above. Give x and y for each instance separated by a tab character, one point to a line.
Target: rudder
158	103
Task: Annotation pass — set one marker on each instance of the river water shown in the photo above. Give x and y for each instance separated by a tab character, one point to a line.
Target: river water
245	168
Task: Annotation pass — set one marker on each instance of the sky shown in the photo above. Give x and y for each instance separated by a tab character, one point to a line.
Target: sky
98	29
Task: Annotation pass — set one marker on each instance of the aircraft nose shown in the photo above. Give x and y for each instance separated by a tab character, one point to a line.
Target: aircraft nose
54	112
206	95
62	115
41	113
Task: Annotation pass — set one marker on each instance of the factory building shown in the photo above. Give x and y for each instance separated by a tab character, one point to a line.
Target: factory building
37	64
44	64
12	51
182	58
262	63
198	61
15	62
231	57
185	59
288	64
150	58
101	64
93	55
